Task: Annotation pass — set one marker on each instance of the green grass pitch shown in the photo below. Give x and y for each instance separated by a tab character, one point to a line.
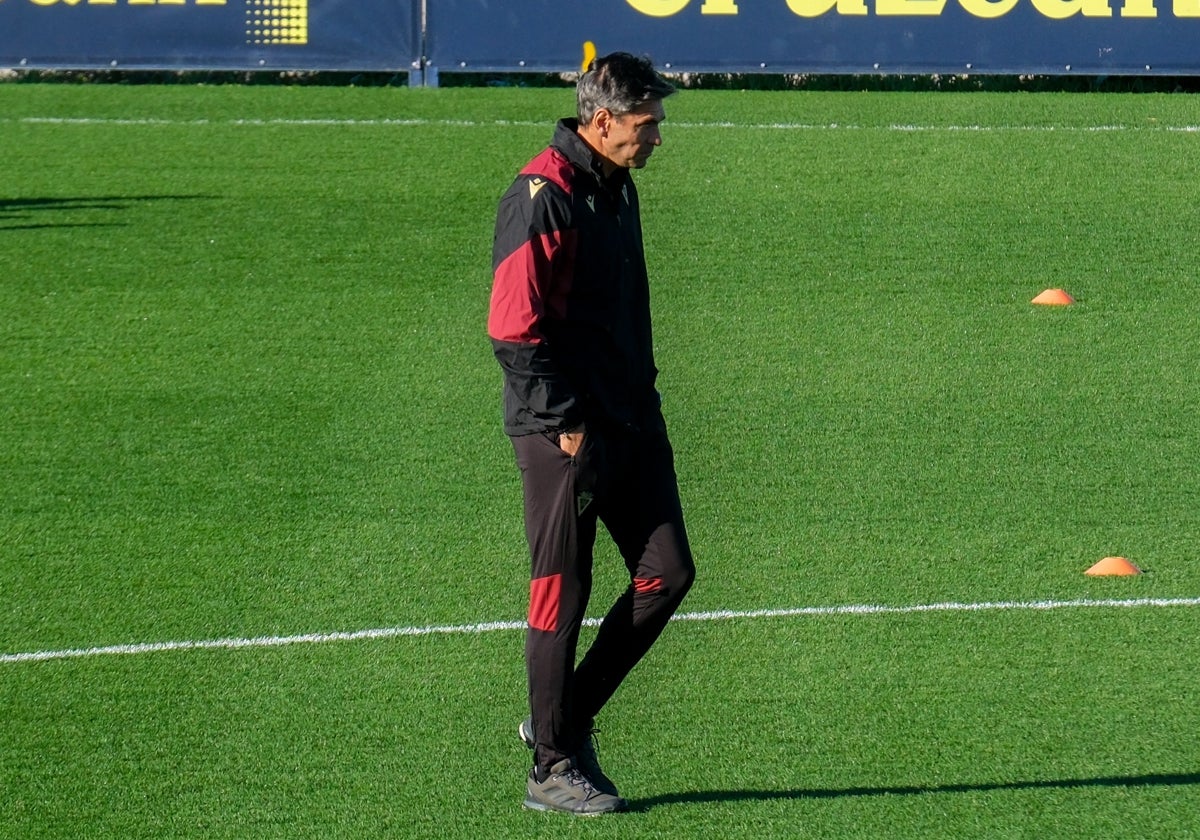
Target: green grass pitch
247	393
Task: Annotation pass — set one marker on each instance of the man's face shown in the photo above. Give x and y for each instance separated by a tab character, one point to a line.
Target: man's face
632	137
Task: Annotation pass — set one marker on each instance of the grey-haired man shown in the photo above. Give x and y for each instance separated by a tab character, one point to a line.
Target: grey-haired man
570	325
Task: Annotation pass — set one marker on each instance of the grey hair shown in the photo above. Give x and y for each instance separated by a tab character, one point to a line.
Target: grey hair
618	82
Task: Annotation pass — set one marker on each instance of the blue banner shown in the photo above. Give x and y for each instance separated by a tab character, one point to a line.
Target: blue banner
1093	37
824	36
211	34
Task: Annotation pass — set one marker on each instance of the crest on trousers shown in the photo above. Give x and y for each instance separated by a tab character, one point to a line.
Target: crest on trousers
582	501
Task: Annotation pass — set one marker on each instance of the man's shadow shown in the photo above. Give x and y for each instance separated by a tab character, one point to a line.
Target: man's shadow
706	796
42	213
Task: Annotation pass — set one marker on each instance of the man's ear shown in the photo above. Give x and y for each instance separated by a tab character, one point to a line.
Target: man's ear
601	120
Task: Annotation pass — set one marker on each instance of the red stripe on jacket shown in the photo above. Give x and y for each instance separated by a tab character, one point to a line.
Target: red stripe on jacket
552	164
529	284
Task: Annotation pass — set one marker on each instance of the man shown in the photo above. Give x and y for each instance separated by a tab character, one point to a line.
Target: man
570	326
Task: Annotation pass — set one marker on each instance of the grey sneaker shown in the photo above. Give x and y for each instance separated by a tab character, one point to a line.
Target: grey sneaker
586	759
568	790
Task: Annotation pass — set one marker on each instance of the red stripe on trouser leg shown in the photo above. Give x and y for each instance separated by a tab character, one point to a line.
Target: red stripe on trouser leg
544	596
647	585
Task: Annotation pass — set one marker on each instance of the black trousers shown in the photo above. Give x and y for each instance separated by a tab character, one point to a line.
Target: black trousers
625	480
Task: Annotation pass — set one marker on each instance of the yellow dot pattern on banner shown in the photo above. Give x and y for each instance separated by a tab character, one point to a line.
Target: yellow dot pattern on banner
275	22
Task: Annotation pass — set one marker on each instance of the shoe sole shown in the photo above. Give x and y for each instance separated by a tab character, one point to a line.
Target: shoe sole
534	805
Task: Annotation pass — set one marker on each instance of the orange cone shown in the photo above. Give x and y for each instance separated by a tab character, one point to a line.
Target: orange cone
1054	297
1114	566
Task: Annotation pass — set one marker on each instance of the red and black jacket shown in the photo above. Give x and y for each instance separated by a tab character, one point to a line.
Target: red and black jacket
570	307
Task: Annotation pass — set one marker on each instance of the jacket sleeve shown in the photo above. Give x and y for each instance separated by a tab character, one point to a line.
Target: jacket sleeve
532	263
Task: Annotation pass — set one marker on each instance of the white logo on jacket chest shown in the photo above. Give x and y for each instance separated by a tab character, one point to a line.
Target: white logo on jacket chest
591	203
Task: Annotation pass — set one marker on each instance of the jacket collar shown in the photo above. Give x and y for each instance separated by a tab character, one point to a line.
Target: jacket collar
567	140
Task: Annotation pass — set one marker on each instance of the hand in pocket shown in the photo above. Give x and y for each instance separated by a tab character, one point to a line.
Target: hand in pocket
571	442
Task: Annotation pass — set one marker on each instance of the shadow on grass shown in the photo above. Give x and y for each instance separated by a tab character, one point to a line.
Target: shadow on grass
39	213
703	796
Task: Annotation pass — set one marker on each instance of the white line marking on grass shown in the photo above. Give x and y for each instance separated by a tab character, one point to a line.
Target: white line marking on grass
300	122
423	122
949	606
264	641
495	626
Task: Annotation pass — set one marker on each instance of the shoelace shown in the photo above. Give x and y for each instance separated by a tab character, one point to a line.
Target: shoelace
577	779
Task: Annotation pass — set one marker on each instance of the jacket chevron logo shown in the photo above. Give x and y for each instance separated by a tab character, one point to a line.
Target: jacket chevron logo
591	203
535	186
